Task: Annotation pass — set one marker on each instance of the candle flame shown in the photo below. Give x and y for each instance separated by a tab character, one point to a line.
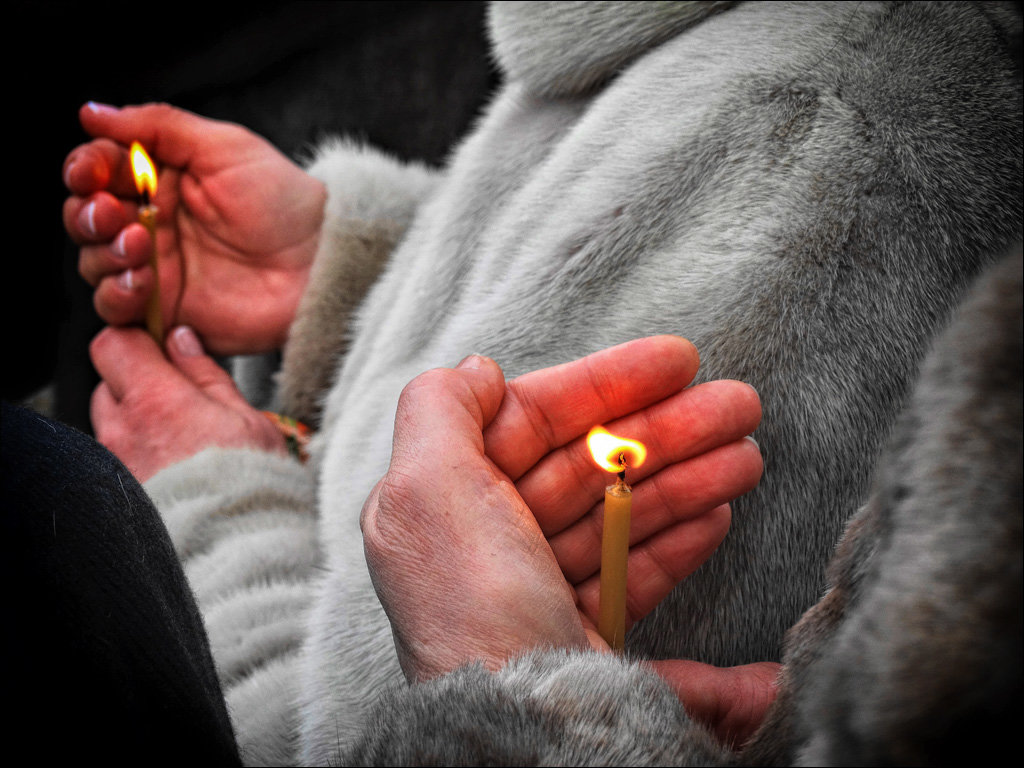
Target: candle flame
142	167
614	453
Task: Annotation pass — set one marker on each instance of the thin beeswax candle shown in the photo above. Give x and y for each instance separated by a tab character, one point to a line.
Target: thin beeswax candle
610	453
611	624
145	182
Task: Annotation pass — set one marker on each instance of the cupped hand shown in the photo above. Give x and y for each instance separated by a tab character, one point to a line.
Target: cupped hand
698	460
237	225
152	411
483	539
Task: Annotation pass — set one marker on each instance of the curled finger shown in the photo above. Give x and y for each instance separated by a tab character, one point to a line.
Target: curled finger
657	564
101	164
120	298
566	484
130	248
680	492
95	219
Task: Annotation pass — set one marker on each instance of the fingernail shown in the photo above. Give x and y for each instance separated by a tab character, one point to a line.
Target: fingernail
118	247
126	280
470	362
186	342
98	108
87	218
67	173
748	437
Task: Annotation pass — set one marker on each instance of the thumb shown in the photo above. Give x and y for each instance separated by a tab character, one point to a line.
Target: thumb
185	351
732	701
443	412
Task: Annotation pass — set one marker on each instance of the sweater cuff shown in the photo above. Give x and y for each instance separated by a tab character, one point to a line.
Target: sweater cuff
545	708
366	184
371	199
244	525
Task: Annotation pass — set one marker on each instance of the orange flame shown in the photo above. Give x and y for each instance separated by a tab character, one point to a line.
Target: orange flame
145	173
614	453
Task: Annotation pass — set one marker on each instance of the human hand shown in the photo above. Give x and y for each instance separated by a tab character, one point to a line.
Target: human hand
237	225
484	475
152	411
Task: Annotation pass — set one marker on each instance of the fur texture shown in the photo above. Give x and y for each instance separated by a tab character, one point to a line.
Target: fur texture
926	666
523	33
803	190
371	201
547	708
913	657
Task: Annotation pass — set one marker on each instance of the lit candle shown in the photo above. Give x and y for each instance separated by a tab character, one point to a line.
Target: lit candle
614	454
145	182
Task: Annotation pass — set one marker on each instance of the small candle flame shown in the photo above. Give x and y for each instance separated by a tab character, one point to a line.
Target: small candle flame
145	173
614	453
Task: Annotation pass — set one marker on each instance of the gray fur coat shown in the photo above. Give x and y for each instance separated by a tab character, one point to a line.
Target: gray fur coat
805	191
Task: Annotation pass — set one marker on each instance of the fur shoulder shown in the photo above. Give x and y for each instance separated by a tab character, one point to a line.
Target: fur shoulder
561	49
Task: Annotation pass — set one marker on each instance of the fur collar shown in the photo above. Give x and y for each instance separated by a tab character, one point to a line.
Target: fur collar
568	48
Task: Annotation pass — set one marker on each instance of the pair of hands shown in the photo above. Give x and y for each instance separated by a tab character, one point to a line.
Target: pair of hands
495	474
236	232
492	496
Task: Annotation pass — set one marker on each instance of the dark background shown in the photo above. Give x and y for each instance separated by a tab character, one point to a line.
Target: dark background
407	77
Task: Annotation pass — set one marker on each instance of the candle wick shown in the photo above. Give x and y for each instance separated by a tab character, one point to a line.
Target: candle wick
145	198
622	472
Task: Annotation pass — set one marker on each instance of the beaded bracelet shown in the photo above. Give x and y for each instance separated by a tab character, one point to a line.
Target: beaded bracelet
296	434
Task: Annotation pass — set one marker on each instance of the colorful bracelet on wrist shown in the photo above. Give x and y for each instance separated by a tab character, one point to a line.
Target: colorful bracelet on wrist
296	434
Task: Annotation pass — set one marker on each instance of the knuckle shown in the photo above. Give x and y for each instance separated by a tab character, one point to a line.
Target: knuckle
426	388
397	492
436	378
90	265
159	109
396	502
368	515
87	270
110	310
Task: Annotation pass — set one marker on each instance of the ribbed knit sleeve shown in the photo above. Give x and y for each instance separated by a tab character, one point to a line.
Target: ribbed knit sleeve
244	525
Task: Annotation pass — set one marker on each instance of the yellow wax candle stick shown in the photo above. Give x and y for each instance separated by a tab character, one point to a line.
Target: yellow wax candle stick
609	452
145	182
154	316
611	622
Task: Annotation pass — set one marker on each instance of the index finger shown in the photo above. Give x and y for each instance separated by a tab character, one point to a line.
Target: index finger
544	410
173	137
101	164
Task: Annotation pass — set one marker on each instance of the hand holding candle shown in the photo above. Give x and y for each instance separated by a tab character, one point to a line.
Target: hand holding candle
239	224
475	545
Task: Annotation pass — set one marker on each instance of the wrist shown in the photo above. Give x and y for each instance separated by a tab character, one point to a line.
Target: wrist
295	278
